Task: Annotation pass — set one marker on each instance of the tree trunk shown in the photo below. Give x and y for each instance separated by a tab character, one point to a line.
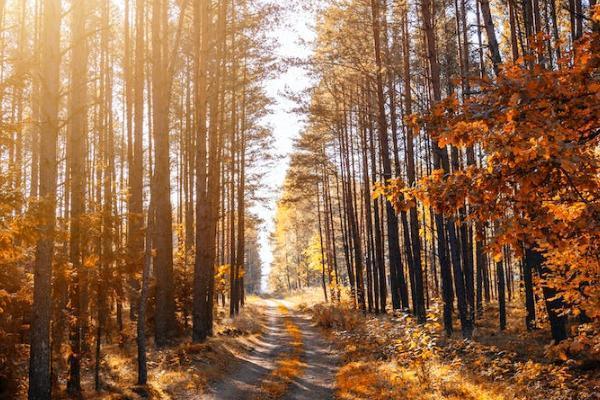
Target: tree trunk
201	307
165	322
77	132
410	161
39	361
399	288
352	220
434	70
501	282
528	288
332	236
558	322
491	35
323	282
377	227
208	182
241	200
142	305
367	214
135	240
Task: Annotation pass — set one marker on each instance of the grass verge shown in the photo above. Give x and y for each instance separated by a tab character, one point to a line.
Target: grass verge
393	357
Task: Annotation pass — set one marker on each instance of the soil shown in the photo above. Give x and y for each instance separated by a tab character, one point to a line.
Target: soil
317	380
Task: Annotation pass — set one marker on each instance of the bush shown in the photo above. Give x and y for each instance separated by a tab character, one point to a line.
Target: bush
333	316
247	321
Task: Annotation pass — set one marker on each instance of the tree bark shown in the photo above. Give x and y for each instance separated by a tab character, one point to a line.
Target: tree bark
501	283
558	322
165	322
142	304
491	35
39	361
528	288
323	282
399	288
201	307
410	162
77	132
135	240
241	199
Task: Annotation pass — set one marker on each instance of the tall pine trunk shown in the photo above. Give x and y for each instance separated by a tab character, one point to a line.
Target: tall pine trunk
165	322
399	288
410	161
201	308
39	361
77	132
135	240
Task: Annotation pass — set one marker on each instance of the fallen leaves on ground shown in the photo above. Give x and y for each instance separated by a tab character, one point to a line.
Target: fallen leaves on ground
393	357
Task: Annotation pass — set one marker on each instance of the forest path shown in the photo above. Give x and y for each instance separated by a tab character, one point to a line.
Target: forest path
316	379
322	362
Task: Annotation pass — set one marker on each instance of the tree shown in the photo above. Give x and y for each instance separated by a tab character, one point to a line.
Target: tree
39	364
77	131
399	288
136	167
165	299
536	185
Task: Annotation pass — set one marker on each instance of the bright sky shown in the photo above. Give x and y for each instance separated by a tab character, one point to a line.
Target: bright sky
285	123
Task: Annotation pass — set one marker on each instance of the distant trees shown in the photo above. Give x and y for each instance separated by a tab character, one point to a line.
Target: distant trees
300	250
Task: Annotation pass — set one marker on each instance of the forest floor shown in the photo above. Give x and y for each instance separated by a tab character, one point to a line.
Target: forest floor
298	347
391	357
182	370
271	350
293	361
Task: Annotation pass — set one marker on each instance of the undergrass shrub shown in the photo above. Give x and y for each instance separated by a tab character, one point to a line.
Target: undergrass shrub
336	316
247	321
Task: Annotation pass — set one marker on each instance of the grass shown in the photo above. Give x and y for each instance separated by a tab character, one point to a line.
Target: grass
393	357
181	370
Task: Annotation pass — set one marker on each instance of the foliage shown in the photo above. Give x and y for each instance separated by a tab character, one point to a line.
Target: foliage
539	131
183	262
330	316
17	235
390	357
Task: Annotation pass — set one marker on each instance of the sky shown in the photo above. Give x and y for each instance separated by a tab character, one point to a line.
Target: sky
285	124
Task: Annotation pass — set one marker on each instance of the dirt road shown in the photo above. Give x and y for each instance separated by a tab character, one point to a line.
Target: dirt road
315	381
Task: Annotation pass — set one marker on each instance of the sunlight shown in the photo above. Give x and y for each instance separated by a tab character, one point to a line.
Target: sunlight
300	199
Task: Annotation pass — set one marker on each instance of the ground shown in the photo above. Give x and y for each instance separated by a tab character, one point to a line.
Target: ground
298	347
273	350
392	357
274	369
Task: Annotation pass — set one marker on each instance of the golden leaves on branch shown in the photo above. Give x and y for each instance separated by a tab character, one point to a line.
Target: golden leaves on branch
539	132
395	191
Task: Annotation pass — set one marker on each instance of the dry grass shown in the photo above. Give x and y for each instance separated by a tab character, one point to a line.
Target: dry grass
330	316
301	300
179	371
392	357
248	322
391	380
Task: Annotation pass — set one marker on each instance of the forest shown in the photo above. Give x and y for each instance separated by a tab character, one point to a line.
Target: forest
436	234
